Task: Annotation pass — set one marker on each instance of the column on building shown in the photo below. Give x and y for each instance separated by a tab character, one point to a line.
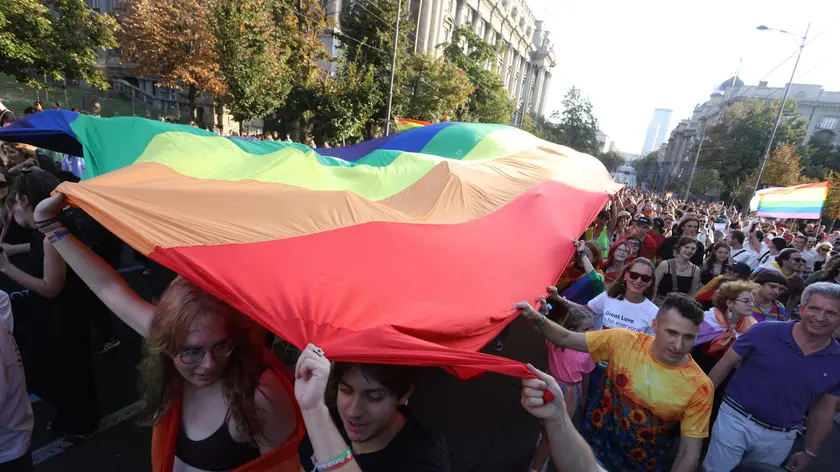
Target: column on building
520	84
544	94
424	26
435	27
503	74
459	13
537	94
476	16
514	66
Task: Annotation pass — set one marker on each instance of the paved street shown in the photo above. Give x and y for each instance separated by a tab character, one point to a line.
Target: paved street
485	428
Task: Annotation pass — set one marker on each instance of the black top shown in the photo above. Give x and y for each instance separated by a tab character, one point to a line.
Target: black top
216	452
683	282
413	449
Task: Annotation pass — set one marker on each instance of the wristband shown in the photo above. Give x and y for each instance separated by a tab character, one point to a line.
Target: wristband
336	462
539	320
58	235
809	453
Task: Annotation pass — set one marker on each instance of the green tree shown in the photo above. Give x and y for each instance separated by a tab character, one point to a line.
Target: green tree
344	105
367	38
705	181
489	102
578	126
56	38
252	57
434	89
647	167
736	143
611	159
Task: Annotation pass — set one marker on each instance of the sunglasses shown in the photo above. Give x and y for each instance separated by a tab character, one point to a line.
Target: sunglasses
797	259
636	276
4	183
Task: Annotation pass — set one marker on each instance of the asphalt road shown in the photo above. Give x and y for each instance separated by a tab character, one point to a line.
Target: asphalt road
485	428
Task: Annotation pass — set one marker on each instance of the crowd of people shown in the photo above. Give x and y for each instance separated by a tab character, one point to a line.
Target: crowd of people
680	336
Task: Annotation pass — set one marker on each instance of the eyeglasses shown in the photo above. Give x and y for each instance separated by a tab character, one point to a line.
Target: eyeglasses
746	301
195	356
4	183
797	259
636	276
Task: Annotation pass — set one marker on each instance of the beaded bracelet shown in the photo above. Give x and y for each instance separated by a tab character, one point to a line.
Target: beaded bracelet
336	462
540	320
809	453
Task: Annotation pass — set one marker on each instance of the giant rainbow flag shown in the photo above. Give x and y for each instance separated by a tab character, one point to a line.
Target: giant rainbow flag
800	201
407	249
405	124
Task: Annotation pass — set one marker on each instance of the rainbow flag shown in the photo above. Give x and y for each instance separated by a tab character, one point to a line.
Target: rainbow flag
405	124
408	249
800	201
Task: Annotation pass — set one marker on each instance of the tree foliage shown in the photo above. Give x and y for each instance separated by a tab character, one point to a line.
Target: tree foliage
577	124
705	181
345	104
252	56
783	168
831	209
367	37
611	159
57	38
434	89
736	143
172	40
647	167
489	102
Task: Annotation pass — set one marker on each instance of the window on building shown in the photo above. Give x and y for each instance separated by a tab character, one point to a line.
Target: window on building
829	122
447	34
450	6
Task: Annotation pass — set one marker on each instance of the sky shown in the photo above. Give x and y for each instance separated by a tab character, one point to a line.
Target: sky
632	57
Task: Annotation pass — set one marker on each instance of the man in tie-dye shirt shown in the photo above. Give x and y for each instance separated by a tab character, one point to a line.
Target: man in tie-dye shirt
651	386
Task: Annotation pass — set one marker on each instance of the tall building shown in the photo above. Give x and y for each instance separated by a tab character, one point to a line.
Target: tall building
657	130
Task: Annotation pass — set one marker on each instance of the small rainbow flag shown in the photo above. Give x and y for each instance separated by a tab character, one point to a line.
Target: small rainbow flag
800	201
405	124
671	194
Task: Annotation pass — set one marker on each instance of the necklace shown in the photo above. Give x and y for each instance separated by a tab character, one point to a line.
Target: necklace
683	268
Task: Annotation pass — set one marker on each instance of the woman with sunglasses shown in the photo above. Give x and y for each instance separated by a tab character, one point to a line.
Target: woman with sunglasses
823	255
626	303
216	397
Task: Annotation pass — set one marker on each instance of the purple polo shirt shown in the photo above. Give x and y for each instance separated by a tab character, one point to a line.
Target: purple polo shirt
776	382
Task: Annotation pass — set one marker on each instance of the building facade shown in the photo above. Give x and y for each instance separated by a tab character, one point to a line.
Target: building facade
527	57
524	64
819	107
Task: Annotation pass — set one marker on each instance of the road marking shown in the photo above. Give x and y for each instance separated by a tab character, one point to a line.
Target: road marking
54	448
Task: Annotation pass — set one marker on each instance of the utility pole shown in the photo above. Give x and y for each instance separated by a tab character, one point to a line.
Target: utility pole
393	70
696	157
781	108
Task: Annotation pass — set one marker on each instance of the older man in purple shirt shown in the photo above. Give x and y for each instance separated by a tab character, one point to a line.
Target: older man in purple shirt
787	370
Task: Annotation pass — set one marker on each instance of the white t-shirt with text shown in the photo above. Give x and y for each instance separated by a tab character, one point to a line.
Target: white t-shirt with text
615	313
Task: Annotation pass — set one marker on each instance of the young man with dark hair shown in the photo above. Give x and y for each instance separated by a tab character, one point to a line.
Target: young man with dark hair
651	386
371	428
789	263
767	306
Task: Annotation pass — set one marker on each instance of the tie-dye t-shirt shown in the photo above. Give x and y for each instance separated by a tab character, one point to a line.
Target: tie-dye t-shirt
776	312
641	400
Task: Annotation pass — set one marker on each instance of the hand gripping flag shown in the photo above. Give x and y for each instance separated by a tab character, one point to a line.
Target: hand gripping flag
408	249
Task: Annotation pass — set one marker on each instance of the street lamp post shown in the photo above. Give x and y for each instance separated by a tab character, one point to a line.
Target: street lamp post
393	69
782	105
696	157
